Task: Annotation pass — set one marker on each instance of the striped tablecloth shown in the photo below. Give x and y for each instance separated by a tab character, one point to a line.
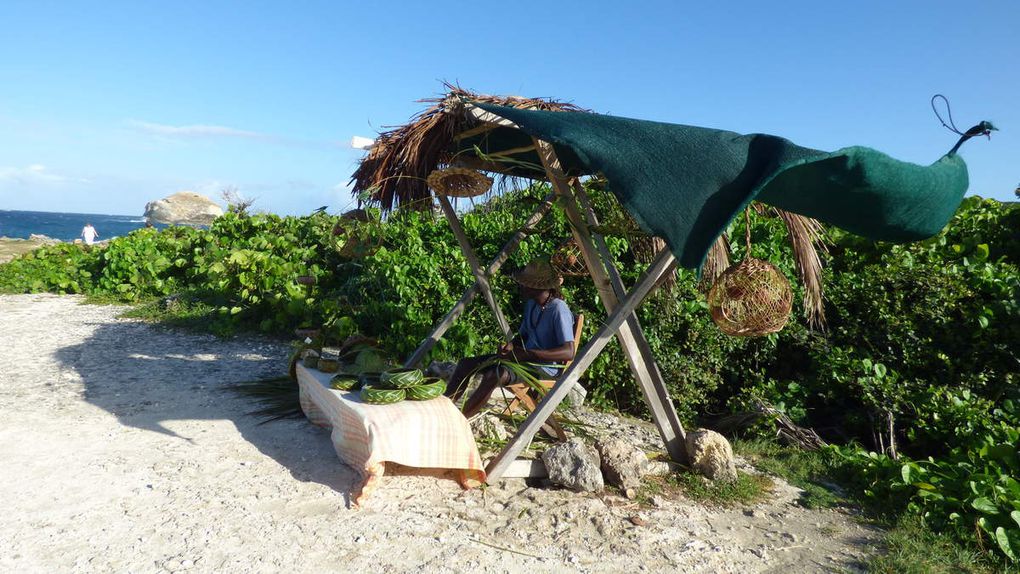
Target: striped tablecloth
424	434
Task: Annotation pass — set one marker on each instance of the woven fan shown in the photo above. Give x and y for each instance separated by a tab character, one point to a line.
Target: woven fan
568	259
751	298
458	182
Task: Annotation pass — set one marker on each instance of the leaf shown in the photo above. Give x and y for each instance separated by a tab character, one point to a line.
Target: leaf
905	473
1003	538
880	370
983	504
983	322
235	310
1015	515
981	252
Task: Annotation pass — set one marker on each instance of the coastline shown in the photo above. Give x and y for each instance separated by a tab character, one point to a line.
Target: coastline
13	247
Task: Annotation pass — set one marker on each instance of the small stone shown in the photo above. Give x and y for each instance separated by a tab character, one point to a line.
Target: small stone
637	521
711	455
749	512
630	493
187	564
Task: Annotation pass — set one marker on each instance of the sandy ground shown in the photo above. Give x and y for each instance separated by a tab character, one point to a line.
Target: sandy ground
122	452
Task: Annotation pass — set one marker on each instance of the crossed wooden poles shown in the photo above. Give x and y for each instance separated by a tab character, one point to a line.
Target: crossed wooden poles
620	304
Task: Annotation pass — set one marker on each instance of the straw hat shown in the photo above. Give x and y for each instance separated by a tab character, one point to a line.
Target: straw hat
539	274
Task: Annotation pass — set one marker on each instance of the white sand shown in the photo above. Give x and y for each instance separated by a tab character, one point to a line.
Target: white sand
121	452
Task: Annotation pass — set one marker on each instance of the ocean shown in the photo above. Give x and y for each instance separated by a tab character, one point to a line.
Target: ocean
65	226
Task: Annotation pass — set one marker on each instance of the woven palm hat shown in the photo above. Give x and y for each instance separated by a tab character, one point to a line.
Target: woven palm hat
539	274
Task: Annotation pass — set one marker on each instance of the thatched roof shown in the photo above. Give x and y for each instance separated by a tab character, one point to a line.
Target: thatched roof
394	171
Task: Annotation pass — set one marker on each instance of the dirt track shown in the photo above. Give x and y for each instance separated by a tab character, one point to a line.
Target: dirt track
123	453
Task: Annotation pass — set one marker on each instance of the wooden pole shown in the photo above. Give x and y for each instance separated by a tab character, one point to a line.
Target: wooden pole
632	342
504	254
584	359
656	395
472	259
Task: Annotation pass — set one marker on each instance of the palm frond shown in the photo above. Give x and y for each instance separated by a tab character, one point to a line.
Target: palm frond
277	397
806	238
717	261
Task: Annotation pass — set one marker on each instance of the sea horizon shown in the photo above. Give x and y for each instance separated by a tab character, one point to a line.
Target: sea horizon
65	226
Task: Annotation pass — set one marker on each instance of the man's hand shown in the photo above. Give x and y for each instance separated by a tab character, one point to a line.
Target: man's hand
506	349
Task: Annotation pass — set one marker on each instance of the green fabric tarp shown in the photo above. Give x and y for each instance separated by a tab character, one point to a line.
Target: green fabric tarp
685	183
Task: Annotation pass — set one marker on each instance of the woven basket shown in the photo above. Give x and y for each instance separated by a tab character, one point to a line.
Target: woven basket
429	388
568	259
750	299
401	378
377	396
458	182
345	383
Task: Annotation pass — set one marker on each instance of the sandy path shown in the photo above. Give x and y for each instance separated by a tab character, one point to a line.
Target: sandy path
122	453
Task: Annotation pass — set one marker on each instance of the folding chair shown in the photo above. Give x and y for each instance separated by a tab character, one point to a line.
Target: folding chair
521	391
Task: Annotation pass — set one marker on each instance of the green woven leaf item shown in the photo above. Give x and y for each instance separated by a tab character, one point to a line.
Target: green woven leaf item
401	378
345	383
429	388
377	396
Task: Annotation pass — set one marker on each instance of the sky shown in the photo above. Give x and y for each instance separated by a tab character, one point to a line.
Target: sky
105	106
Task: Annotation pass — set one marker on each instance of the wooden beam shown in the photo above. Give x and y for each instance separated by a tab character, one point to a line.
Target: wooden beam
476	269
488	117
479	129
584	359
472	162
504	254
656	395
642	364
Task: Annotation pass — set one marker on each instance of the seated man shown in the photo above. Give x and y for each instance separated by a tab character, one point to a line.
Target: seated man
543	343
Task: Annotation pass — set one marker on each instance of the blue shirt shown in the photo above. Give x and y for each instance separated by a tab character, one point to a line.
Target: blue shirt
547	328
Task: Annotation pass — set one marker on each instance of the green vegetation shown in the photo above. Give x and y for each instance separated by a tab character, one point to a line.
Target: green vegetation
917	375
746	489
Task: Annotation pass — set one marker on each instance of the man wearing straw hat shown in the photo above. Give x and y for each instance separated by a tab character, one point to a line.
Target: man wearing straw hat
543	343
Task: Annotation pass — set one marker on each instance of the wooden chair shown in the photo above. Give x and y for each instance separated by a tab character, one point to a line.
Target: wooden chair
522	395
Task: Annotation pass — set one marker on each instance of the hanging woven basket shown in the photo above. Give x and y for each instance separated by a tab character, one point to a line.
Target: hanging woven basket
752	298
568	259
458	182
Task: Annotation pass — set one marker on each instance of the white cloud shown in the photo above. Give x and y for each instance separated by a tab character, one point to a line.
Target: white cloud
35	174
198	131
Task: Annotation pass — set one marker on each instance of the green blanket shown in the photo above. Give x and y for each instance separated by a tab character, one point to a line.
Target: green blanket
685	183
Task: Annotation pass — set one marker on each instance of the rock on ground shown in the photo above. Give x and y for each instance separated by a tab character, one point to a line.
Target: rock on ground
183	208
123	452
574	465
623	464
711	455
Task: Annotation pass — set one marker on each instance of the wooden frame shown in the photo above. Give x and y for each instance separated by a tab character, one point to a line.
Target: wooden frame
620	305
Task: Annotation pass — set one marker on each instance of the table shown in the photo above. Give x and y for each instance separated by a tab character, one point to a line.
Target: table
425	434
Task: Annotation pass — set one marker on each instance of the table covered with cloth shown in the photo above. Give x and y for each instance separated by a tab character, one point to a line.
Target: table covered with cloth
425	434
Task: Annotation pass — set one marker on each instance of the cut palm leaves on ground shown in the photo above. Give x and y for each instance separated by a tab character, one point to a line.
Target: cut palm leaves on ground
277	397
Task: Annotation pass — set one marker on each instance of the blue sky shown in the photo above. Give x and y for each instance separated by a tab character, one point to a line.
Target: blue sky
107	105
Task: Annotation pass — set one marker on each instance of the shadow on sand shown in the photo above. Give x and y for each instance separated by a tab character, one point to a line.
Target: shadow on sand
147	376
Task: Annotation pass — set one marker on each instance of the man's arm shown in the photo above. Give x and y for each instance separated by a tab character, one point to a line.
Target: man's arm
561	354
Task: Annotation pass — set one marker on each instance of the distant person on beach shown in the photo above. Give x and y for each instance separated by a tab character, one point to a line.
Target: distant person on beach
89	234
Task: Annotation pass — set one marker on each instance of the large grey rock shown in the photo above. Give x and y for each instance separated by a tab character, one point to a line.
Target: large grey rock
574	465
711	455
183	208
623	465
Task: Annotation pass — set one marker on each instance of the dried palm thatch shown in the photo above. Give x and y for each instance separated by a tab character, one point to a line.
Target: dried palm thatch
395	170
